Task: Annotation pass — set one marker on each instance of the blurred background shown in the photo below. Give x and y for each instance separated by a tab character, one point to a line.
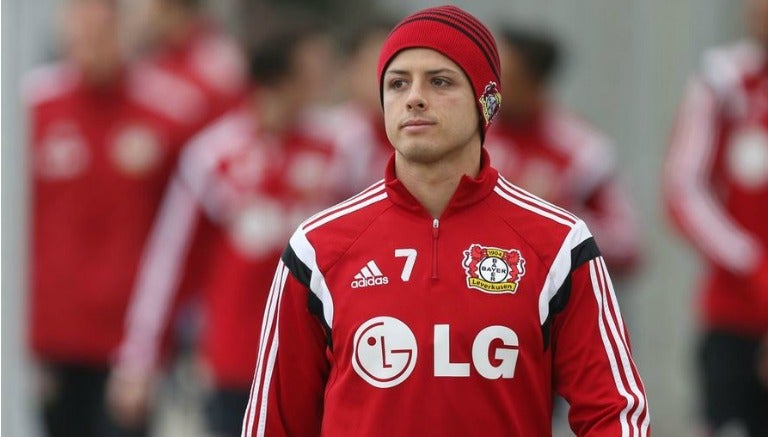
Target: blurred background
624	71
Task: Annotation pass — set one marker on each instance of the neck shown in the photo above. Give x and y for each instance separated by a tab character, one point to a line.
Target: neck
434	183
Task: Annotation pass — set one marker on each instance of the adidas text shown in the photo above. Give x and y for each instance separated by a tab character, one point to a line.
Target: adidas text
368	282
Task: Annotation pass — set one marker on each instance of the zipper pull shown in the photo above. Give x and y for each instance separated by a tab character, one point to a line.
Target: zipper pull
435	233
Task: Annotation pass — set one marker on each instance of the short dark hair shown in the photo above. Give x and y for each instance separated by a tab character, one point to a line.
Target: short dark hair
540	51
271	57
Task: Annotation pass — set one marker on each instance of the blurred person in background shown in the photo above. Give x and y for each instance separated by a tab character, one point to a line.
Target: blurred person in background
105	135
716	191
353	122
242	185
361	47
545	149
179	38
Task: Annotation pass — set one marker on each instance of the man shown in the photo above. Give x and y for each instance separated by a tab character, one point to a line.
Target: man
442	300
361	48
104	139
543	148
186	44
242	186
355	124
716	189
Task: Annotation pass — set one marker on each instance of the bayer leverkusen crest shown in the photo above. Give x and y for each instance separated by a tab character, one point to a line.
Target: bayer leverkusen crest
493	270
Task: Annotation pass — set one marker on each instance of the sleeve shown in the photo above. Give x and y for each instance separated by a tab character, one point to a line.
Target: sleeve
159	279
292	365
593	366
689	196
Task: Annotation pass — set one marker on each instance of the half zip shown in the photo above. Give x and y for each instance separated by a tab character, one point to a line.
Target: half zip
435	234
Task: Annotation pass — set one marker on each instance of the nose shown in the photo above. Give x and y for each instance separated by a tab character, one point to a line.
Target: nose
416	99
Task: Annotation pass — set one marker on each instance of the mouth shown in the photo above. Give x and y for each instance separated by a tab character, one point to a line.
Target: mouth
416	124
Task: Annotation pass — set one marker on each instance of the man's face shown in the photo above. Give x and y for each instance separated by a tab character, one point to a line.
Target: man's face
90	36
757	19
429	106
310	77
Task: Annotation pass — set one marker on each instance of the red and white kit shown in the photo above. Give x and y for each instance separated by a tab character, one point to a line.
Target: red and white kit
383	321
100	159
236	198
360	141
562	159
716	184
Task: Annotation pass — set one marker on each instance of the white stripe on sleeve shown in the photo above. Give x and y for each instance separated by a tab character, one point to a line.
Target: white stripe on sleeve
268	325
609	351
687	169
159	275
618	347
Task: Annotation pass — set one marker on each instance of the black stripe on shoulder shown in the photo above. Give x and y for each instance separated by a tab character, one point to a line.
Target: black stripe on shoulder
585	251
315	307
581	254
298	269
303	274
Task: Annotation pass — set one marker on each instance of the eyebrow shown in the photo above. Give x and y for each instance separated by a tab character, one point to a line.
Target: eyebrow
429	72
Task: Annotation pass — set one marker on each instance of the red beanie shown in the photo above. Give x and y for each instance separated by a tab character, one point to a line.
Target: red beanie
460	37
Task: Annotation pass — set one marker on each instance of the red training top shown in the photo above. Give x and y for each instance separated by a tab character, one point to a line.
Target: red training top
716	184
385	321
237	195
100	159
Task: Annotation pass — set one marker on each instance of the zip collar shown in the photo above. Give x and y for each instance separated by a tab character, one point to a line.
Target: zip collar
470	190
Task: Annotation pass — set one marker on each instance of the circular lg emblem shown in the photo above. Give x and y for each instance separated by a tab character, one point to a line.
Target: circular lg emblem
384	351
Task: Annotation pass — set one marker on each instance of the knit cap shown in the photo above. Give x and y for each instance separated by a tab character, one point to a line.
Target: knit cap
460	37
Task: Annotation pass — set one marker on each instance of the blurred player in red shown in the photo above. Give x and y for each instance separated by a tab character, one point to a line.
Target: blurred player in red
182	41
355	124
104	139
241	187
542	147
361	49
716	190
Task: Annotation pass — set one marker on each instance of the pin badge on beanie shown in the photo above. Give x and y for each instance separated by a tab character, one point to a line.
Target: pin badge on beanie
463	39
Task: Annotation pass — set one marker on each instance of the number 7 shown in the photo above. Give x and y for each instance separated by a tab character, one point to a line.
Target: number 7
410	260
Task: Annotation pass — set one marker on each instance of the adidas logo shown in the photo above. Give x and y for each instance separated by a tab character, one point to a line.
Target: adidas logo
369	276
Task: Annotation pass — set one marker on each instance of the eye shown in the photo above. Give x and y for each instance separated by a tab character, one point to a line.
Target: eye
440	82
396	84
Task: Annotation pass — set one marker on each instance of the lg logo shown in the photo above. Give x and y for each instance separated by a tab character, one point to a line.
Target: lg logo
385	352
